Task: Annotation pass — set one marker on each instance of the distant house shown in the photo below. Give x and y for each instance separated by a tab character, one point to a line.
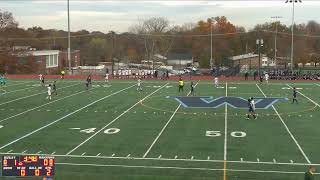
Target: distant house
45	61
179	59
251	61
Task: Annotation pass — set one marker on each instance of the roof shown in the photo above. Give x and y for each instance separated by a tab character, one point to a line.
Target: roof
43	52
179	56
243	56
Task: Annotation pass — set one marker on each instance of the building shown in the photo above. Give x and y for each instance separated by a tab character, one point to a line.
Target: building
180	60
45	61
251	61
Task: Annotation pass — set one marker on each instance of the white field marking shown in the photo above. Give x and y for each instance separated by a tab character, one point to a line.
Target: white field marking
232	87
175	157
168	159
8	92
128	155
98	154
274	160
286	127
83	154
192	157
181	168
208	158
24	151
33	95
241	159
159	156
315	103
317	84
20	83
38	152
10	150
1	126
291	161
75	128
115	119
53	153
73	112
41	106
164	127
258	160
225	126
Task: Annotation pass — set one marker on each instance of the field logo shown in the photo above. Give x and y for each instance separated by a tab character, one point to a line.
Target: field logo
235	102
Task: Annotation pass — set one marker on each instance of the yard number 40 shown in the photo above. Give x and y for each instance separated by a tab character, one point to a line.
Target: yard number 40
237	134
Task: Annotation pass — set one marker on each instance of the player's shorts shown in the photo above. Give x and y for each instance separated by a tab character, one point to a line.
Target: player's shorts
251	110
49	93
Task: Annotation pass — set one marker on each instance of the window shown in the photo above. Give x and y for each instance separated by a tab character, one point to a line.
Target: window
47	61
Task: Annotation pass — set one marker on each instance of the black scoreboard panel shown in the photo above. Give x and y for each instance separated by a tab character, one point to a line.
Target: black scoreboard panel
28	165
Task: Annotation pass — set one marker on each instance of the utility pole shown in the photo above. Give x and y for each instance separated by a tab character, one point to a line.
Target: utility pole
112	52
259	43
69	56
292	24
211	60
275	38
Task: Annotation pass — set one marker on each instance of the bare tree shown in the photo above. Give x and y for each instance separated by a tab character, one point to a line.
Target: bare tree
7	20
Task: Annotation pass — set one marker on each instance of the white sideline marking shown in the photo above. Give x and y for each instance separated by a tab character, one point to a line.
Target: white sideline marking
128	155
258	160
88	105
286	127
315	103
181	168
20	83
291	161
164	127
83	154
274	161
225	126
241	159
53	153
191	157
159	156
208	158
175	157
8	92
38	152
98	154
24	151
168	159
33	95
114	119
10	150
75	128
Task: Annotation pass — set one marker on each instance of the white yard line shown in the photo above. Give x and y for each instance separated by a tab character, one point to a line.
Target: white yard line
288	130
164	127
225	126
14	100
19	84
115	119
182	168
41	106
8	92
168	159
53	122
315	103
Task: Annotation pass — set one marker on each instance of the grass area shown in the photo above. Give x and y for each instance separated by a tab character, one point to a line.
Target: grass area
115	132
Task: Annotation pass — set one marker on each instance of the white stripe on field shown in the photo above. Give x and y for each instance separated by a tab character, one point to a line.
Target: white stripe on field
103	128
288	130
164	127
315	103
43	127
225	126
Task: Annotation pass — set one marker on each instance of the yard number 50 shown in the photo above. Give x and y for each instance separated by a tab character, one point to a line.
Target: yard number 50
237	134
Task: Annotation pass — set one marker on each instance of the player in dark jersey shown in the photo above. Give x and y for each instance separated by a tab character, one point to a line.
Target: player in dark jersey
251	109
192	89
88	82
294	99
261	79
54	88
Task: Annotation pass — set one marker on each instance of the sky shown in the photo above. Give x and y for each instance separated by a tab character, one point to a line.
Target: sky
119	15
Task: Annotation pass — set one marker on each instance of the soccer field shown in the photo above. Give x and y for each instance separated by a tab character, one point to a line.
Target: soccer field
115	132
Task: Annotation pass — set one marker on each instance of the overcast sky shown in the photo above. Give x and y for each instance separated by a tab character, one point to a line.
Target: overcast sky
119	15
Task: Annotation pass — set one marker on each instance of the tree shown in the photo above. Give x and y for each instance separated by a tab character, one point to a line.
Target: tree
7	20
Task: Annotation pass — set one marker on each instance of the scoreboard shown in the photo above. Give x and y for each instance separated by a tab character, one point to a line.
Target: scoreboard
28	165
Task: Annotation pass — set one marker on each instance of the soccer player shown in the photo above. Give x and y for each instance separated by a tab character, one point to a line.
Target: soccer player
106	78
216	82
261	79
89	80
252	108
181	85
139	88
266	78
192	89
62	74
309	175
49	92
54	88
2	80
41	77
294	99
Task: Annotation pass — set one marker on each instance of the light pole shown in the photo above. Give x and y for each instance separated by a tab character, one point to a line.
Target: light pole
211	61
275	38
259	43
69	56
292	1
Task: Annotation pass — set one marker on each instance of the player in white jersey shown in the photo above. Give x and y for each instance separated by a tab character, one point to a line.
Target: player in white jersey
49	92
106	78
139	88
266	77
216	82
